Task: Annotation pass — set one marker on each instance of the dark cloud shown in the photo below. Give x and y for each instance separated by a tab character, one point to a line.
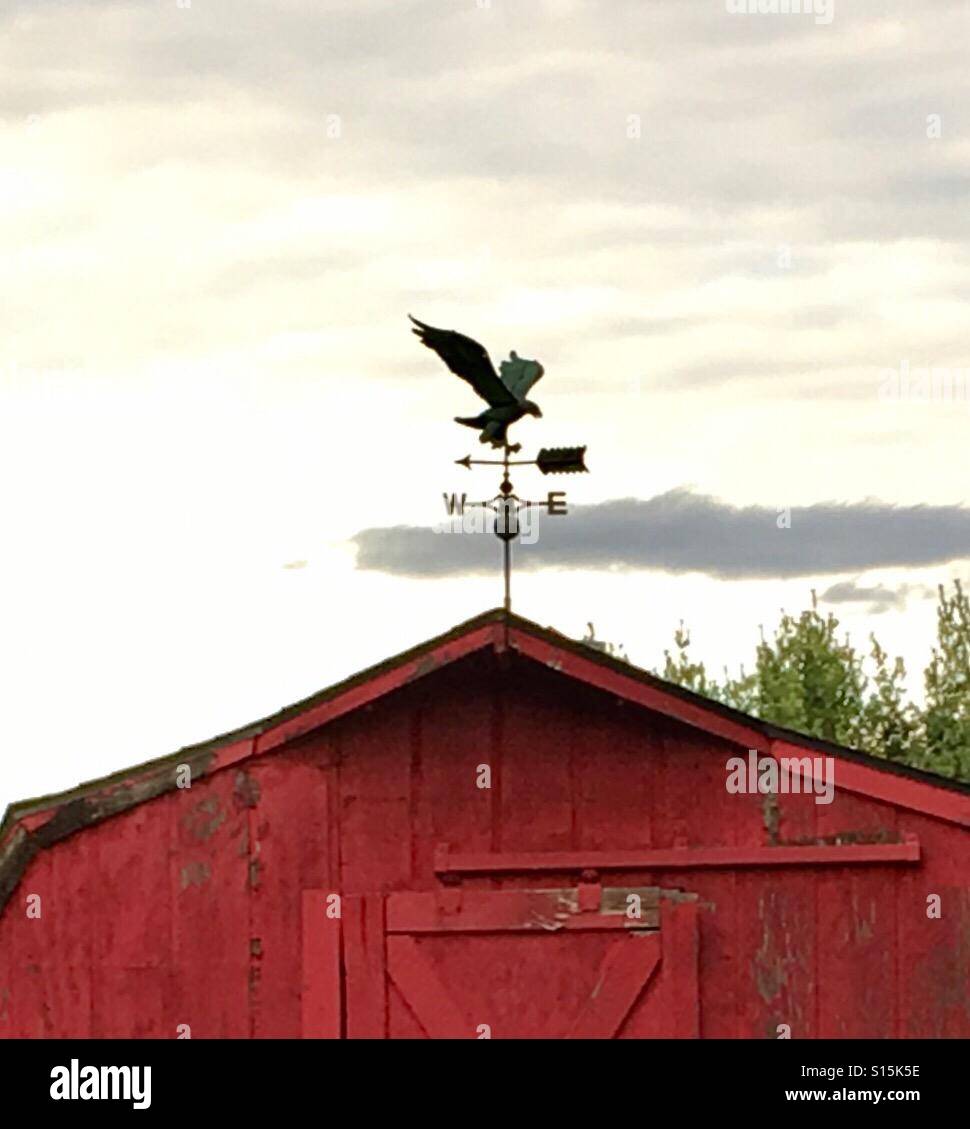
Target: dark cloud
878	597
682	531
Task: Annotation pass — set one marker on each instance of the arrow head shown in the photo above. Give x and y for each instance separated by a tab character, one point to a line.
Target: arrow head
466	462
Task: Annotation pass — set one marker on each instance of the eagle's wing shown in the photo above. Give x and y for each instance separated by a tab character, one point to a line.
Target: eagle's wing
467	359
518	376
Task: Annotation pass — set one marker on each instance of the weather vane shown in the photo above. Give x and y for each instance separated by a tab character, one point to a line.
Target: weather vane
505	395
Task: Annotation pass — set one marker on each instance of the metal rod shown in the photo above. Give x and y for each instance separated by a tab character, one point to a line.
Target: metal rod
496	462
507	551
507	554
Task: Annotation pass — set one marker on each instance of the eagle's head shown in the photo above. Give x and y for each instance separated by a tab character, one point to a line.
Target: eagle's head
531	409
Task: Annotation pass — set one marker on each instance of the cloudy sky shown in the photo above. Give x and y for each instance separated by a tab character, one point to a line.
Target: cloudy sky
738	242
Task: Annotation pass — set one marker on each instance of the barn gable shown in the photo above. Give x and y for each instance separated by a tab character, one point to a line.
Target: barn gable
500	633
602	778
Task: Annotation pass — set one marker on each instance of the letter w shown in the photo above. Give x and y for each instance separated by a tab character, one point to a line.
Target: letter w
452	505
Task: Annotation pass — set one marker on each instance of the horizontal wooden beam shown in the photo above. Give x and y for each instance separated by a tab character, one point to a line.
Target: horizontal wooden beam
676	858
535	911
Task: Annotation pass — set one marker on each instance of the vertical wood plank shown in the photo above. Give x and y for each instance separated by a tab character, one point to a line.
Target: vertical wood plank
287	796
618	780
365	966
131	955
69	971
776	936
679	942
453	742
210	879
31	951
536	794
321	988
857	927
933	964
375	798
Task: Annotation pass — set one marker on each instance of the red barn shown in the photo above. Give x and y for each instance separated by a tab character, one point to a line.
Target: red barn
501	833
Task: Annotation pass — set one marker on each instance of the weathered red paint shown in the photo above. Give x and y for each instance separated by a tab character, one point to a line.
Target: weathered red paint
336	871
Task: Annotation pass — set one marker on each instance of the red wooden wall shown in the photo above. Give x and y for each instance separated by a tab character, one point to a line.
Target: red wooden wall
187	909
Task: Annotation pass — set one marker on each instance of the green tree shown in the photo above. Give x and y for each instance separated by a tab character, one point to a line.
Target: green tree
946	716
679	669
741	692
808	679
892	727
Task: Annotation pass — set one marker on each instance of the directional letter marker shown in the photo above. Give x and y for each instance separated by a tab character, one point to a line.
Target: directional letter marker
507	505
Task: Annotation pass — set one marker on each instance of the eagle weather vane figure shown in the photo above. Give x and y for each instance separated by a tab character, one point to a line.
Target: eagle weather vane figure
507	404
505	394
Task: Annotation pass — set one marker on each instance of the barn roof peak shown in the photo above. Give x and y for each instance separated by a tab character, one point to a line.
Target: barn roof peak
33	824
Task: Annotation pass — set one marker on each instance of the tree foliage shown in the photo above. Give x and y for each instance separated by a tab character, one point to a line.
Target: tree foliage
946	717
809	678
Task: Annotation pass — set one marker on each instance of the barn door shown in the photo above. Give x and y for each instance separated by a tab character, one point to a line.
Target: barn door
565	963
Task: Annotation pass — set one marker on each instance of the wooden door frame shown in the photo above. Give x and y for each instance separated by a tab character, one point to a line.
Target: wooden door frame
349	960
